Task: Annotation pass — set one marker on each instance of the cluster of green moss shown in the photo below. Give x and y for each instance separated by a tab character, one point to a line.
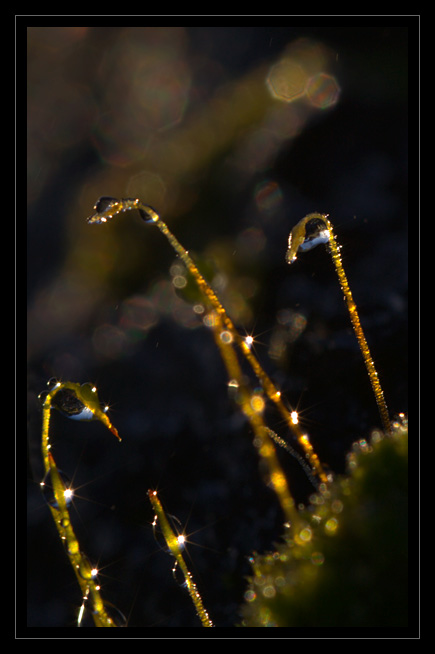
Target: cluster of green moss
346	563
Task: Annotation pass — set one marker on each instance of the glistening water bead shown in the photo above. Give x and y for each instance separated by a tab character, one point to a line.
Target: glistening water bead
306	235
107	207
48	493
70	406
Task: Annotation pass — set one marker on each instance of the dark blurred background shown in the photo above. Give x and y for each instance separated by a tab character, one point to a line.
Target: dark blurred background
233	134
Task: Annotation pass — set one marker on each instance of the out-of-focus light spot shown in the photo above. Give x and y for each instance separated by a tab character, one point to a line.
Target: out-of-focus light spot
148	186
364	446
161	86
226	337
294	417
303	72
179	281
137	313
198	308
148	94
269	591
110	341
305	534
323	91
290	326
317	558
268	195
305	441
250	595
257	403
163	297
331	526
287	80
210	320
251	241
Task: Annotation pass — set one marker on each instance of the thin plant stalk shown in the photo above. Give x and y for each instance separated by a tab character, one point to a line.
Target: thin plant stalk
253	406
106	208
313	230
59	509
175	548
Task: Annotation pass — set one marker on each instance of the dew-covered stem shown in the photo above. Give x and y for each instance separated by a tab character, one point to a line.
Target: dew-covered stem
174	547
106	208
59	505
252	406
312	230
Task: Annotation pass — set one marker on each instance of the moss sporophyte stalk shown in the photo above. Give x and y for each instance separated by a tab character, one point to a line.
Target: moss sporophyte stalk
344	526
77	402
312	230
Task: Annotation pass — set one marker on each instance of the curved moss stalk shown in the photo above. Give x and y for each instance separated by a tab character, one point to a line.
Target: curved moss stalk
226	337
313	230
175	548
82	401
106	208
252	405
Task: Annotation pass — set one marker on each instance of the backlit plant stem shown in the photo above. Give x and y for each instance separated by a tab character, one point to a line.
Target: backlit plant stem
253	407
301	239
175	549
107	208
88	585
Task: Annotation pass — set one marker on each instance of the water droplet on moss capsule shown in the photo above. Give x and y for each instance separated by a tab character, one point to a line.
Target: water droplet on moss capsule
316	233
78	403
104	203
67	402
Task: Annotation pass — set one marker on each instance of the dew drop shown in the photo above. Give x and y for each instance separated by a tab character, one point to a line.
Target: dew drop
309	232
48	493
85	614
85	569
43	396
316	232
178	576
249	340
104	203
148	214
115	614
159	537
70	406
